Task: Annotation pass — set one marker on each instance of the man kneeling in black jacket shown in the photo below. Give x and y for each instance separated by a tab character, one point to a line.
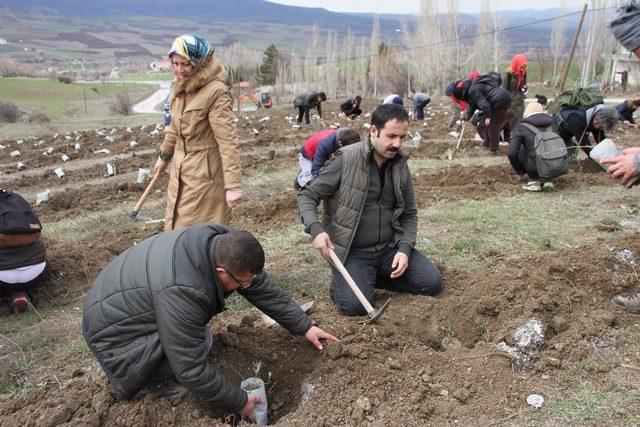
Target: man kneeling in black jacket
146	316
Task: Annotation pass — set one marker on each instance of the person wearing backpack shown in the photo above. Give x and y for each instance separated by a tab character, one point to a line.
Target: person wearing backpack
533	147
577	121
22	253
487	95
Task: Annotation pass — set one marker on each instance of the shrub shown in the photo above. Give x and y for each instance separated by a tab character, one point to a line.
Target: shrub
65	79
38	116
121	104
9	112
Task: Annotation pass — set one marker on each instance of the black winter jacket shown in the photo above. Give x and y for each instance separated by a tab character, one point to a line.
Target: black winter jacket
485	94
154	300
523	139
307	101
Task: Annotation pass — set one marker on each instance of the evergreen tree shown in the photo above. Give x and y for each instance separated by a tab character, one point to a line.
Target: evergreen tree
269	69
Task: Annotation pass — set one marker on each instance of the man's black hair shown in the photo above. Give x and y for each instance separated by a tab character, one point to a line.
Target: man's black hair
386	112
348	136
322	96
542	100
358	99
636	102
239	252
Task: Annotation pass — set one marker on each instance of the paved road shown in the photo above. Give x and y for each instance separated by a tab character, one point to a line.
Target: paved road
148	106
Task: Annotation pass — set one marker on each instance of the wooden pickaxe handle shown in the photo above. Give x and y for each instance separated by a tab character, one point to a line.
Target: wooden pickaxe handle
356	290
144	196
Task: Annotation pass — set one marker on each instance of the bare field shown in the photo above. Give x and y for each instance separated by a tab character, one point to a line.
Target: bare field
507	257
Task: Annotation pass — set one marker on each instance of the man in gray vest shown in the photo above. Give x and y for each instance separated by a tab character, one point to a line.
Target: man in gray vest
370	215
146	316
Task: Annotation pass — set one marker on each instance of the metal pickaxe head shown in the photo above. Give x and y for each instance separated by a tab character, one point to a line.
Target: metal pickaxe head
134	215
376	314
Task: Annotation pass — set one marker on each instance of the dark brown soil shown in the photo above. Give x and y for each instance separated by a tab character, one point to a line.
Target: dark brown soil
427	361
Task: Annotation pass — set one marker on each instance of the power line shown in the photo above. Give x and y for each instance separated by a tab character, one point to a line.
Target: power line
513	27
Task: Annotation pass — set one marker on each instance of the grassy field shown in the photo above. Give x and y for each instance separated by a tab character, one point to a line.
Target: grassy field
147	76
54	98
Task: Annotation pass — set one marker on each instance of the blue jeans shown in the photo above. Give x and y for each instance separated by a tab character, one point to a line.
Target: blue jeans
372	270
419	109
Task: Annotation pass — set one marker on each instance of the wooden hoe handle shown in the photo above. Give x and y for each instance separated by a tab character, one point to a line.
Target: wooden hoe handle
363	300
144	196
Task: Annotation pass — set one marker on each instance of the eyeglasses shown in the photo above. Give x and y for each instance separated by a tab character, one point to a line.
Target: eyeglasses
242	285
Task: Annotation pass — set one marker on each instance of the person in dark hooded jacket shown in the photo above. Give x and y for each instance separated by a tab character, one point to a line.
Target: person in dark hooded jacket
487	95
627	109
351	107
577	123
522	151
146	316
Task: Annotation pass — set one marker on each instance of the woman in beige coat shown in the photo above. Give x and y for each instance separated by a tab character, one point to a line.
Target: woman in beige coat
201	140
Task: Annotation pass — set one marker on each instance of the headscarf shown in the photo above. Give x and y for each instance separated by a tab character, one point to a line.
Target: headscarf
192	47
518	61
532	108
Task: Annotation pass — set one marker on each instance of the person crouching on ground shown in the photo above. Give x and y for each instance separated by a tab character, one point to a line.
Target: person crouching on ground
626	111
351	108
201	140
370	215
23	257
146	316
577	123
522	151
318	149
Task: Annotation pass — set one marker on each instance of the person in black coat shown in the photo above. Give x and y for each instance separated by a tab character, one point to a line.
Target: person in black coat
351	108
522	151
626	110
486	94
306	101
577	123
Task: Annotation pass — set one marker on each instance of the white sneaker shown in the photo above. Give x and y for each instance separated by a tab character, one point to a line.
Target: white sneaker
532	186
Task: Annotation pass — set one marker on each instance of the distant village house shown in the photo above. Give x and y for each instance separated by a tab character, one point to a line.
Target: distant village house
160	66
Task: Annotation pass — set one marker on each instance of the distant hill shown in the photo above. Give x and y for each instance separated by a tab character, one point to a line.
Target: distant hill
199	10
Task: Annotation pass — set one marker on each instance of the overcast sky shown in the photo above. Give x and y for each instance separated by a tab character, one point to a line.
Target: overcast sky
413	6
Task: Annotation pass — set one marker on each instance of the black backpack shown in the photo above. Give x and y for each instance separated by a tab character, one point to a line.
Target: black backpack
16	215
552	159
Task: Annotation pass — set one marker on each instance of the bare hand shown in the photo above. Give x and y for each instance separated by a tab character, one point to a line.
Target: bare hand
399	264
622	166
323	243
315	334
161	165
233	198
247	411
487	121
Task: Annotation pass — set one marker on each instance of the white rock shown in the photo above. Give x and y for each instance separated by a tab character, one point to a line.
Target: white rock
77	146
416	141
59	172
143	127
49	150
129	130
78	137
21	166
111	169
132	144
114	130
255	131
296	126
103	151
143	175
333	127
366	125
65	158
67	137
2	147
626	256
264	119
109	138
19	141
535	400
154	132
43	197
55	135
100	133
454	134
236	120
15	153
368	115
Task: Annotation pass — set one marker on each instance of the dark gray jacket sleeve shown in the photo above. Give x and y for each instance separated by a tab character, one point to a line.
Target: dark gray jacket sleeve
181	315
275	303
322	186
408	219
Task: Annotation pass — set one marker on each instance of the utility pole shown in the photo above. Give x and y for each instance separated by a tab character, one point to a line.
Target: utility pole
573	48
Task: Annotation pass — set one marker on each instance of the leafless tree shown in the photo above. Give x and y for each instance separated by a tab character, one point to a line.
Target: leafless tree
558	40
374	42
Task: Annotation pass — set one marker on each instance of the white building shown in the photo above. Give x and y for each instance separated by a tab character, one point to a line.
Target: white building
623	60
